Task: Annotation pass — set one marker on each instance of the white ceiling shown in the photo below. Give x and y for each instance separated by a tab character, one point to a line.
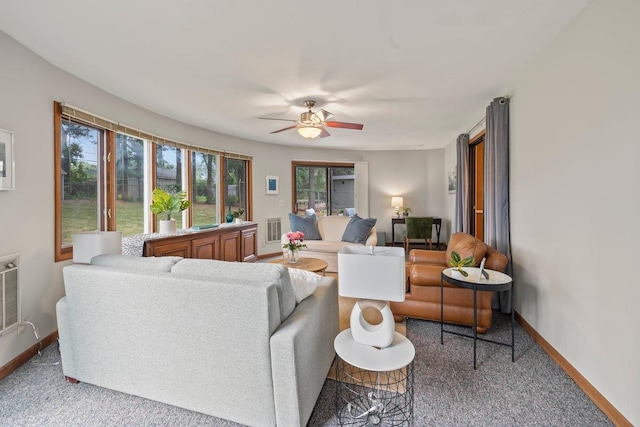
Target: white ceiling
416	73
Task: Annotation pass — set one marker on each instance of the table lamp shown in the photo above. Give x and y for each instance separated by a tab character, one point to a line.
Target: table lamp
88	245
397	203
375	275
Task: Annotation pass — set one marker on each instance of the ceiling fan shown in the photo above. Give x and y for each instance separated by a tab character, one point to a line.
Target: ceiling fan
311	124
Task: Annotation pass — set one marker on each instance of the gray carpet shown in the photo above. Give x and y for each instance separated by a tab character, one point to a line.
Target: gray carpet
533	391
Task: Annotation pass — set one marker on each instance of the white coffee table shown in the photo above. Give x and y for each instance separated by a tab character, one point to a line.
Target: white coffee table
375	386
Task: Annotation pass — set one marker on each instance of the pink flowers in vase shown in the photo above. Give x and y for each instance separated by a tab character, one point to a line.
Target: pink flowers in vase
295	241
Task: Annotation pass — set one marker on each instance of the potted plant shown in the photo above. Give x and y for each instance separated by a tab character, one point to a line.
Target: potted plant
237	214
405	211
163	203
459	263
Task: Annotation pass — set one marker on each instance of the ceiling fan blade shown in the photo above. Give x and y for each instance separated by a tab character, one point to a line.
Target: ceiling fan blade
324	115
324	133
344	125
282	130
284	120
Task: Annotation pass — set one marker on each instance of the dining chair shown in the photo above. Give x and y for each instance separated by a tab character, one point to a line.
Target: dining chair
418	228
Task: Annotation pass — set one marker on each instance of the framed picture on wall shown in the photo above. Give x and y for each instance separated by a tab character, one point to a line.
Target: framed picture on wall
272	184
7	172
452	181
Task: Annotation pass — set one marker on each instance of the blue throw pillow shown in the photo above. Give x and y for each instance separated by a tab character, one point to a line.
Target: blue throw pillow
358	229
308	225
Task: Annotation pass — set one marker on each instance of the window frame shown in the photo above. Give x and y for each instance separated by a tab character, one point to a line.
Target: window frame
302	163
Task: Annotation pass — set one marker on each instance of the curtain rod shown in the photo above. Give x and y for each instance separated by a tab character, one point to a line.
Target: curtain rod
70	111
476	125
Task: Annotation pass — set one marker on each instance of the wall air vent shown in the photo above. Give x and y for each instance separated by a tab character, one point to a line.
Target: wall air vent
274	229
9	293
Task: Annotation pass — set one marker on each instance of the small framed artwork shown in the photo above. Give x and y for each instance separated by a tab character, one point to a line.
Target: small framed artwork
272	184
7	172
452	181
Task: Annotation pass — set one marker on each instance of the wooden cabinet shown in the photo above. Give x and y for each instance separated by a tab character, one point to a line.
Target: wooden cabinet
249	243
230	246
206	247
233	243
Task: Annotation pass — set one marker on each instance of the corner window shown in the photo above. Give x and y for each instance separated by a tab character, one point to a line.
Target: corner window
105	173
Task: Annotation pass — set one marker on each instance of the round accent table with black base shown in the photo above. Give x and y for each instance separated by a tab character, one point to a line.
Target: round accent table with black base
495	282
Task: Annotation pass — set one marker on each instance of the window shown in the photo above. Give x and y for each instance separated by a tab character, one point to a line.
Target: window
204	178
80	179
327	188
169	175
105	173
131	183
236	183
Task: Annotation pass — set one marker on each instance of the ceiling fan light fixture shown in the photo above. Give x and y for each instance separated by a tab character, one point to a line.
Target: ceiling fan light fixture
309	132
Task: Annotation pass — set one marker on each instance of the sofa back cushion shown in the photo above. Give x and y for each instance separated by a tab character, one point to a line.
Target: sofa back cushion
136	263
332	227
358	230
466	245
308	225
245	273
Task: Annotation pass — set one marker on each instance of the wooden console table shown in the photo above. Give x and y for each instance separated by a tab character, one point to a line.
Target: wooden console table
437	221
236	242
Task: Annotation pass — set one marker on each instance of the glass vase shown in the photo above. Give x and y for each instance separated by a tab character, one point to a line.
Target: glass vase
294	256
229	216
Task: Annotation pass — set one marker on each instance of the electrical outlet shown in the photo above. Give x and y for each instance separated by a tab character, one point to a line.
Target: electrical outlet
21	326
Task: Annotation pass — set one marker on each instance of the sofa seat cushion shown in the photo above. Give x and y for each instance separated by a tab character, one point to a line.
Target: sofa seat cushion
326	245
136	263
308	225
245	273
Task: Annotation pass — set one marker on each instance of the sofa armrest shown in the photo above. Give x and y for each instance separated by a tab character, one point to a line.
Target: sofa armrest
302	353
431	257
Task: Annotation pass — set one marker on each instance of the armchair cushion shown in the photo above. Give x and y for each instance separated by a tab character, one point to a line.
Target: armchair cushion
466	245
308	225
358	229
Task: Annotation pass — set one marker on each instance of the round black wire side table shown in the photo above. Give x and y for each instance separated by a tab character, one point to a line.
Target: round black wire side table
375	386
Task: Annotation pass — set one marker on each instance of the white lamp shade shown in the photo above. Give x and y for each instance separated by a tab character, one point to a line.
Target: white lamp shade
372	272
397	202
88	245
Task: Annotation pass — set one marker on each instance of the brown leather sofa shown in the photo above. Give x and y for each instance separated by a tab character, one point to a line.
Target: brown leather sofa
422	299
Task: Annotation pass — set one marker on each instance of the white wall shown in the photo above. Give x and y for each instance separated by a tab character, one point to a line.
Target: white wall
29	85
575	186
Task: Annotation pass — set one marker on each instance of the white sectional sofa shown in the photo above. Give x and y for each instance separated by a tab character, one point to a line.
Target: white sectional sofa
331	230
225	339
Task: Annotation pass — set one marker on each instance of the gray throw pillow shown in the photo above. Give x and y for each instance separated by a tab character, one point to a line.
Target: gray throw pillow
308	225
358	229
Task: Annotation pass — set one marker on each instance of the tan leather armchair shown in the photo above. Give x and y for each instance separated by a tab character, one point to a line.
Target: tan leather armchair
422	300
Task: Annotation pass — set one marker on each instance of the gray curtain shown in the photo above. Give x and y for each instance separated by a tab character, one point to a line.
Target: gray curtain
496	188
462	184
